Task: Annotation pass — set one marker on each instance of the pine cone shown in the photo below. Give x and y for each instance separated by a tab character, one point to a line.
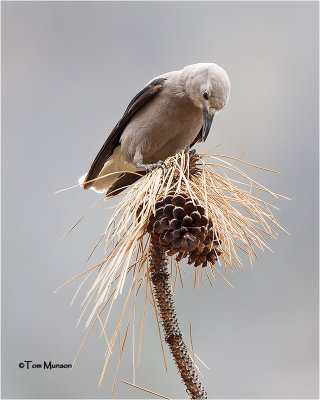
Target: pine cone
182	228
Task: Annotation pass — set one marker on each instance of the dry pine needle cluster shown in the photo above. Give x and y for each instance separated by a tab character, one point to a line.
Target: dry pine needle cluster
201	208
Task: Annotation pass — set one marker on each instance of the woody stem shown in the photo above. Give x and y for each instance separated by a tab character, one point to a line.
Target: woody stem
162	291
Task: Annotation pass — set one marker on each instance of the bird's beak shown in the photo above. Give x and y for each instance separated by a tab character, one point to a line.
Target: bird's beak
207	122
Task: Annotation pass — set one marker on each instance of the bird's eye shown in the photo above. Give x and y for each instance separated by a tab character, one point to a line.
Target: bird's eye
205	95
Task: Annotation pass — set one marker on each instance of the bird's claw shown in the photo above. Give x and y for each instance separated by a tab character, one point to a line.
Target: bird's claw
192	153
161	164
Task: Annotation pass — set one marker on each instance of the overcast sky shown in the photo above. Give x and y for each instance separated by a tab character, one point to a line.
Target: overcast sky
69	69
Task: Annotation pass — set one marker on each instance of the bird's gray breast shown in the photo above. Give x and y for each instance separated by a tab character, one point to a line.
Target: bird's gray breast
166	125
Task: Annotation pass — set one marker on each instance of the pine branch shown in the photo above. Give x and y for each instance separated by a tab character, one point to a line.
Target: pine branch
173	336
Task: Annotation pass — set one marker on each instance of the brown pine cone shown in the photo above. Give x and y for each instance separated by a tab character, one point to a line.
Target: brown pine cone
182	228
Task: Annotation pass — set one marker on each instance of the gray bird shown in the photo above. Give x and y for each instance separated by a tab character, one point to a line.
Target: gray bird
172	112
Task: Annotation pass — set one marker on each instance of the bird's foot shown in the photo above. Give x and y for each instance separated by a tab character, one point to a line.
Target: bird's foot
192	153
150	167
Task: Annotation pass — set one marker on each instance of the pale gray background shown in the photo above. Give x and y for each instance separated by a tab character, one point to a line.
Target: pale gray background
68	72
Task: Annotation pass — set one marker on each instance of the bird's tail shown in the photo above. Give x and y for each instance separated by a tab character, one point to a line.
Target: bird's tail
103	181
115	176
113	187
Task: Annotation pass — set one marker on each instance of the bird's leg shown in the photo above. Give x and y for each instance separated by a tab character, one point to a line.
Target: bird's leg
150	167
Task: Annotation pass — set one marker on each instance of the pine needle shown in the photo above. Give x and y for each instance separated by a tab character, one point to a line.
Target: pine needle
146	390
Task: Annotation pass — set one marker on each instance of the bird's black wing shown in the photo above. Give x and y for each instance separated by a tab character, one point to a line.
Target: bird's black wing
113	140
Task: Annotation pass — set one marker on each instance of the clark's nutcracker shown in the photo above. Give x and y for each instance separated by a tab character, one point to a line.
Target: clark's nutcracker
172	112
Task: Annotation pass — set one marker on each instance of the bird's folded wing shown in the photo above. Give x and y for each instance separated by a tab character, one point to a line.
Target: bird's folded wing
113	140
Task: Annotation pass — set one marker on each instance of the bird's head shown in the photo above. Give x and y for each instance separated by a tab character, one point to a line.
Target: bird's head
208	87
